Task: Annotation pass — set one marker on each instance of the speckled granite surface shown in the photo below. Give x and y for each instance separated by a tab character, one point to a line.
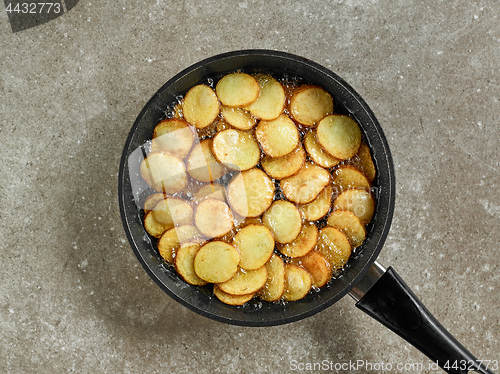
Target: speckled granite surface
73	297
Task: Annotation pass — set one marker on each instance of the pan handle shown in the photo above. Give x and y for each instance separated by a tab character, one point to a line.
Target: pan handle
383	295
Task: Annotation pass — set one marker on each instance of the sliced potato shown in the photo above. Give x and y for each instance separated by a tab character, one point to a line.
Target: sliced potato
172	239
173	211
255	244
271	101
210	191
334	245
347	176
319	207
238	117
364	162
358	201
152	200
317	154
236	149
173	135
316	265
310	104
237	89
305	186
277	137
245	282
184	263
347	222
153	227
202	165
298	282
303	243
275	283
284	221
216	262
250	193
213	218
201	106
164	172
231	299
339	135
286	166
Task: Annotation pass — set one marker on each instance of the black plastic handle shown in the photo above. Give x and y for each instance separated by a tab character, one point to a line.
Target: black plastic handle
391	302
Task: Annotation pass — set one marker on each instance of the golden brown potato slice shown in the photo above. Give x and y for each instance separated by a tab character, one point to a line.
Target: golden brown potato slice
275	283
256	245
238	117
364	162
271	101
349	224
202	165
172	239
173	135
173	211
201	106
298	282
250	193
339	135
237	149
347	176
216	262
316	265
164	172
358	201
237	89
310	104
184	263
319	207
152	200
305	242
245	282
286	166
305	186
284	221
210	191
317	154
213	218
277	137
231	299
334	246
152	227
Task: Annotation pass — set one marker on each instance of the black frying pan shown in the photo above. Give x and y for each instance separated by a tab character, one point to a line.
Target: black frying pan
380	293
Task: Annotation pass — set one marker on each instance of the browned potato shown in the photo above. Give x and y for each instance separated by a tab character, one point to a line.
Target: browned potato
153	227
236	149
305	186
334	245
255	244
164	172
358	201
237	89
173	135
202	165
310	104
201	106
339	135
184	263
212	191
319	207
245	282
349	224
286	166
305	242
275	283
271	101
298	282
348	176
216	262
238	117
152	200
284	221
231	299
317	154
364	162
316	265
213	218
172	239
173	211
277	137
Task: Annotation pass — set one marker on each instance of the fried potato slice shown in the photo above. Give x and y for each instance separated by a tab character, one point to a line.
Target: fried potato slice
238	117
347	176
184	263
364	162
358	201
298	282
317	154
245	282
284	221
164	172
305	186
237	89
286	166
255	244
213	218
236	149
271	101
216	262
210	191
173	211
277	137
152	200
201	163
339	135
275	284
303	243
153	227
231	299
319	207
201	106
316	265
173	135
310	104
173	238
347	222
334	245
250	193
